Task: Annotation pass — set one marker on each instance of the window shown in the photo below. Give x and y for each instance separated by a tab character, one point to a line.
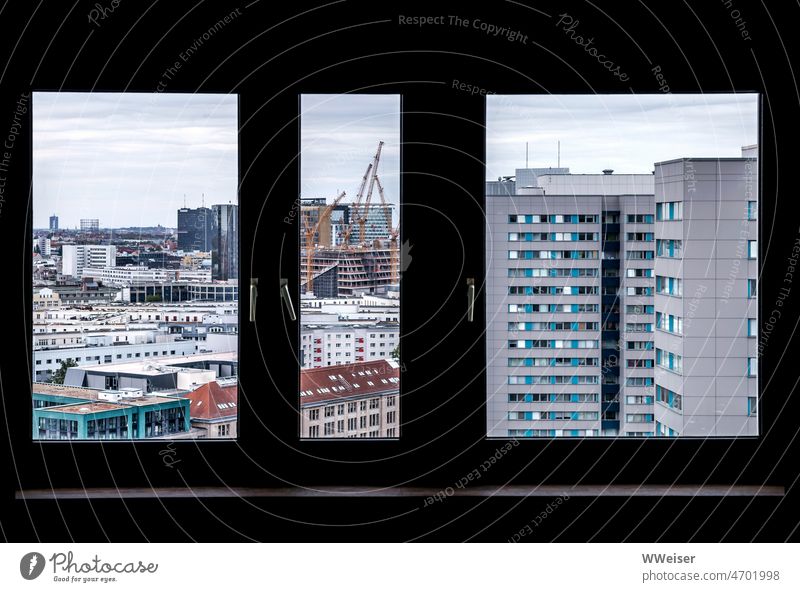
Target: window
752	249
349	249
752	367
93	234
640	218
752	210
752	328
668	397
669	361
669	248
671	210
751	289
669	286
752	406
313	415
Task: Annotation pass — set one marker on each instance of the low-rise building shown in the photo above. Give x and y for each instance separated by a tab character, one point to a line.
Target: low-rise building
351	401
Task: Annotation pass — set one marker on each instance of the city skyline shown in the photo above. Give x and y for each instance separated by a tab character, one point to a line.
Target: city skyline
616	132
94	156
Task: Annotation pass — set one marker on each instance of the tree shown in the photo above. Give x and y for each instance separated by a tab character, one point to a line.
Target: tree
153	298
396	354
60	374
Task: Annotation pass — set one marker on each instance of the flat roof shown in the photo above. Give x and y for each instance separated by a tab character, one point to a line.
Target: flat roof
138	366
86	408
63	390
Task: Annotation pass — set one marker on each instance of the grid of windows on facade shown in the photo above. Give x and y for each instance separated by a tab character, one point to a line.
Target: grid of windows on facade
57	429
552	219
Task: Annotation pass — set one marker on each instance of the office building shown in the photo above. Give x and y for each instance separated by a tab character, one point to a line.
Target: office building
90	224
331	231
195	229
225	242
70	413
75	258
591	285
377	223
351	401
53	222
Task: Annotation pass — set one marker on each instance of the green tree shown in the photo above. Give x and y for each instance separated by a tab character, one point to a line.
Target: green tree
61	373
153	298
396	354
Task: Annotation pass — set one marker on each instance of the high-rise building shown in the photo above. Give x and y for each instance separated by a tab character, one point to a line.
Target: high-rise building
53	222
195	229
706	310
90	224
44	246
75	258
225	242
329	233
376	223
603	322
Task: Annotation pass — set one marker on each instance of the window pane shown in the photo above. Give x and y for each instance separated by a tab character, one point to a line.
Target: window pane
643	309
349	247
135	265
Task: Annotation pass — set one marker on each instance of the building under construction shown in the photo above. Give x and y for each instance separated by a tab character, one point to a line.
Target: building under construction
341	272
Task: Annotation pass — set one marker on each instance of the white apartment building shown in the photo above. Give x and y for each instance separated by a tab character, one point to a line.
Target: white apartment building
76	258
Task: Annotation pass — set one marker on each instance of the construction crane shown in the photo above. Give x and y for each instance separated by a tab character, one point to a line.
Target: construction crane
393	232
362	210
310	232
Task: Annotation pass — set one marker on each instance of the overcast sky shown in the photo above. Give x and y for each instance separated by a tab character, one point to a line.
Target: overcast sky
627	133
339	137
128	159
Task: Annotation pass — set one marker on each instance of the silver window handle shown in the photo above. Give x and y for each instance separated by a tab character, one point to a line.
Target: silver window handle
287	298
253	296
470	299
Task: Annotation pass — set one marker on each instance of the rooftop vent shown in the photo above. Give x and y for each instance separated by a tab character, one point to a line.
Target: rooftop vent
608	171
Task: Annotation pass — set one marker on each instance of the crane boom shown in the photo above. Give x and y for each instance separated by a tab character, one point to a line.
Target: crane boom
310	232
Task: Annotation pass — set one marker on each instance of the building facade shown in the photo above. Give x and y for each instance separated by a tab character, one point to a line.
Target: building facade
53	222
351	401
706	307
75	258
225	242
90	224
590	286
195	229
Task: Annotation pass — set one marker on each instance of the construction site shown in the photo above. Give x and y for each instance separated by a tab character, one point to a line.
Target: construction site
350	249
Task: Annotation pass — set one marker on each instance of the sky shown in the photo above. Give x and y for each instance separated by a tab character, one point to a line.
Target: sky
626	133
339	135
129	158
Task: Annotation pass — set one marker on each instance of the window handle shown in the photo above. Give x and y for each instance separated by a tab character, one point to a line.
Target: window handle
253	296
470	299
287	298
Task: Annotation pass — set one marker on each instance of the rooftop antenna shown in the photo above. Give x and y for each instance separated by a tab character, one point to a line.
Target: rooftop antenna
559	154
526	155
203	200
184	200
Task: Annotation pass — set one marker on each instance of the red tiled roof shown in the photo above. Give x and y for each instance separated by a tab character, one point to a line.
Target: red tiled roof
363	379
212	401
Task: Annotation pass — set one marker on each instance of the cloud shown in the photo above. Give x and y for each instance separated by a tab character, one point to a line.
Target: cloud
627	133
129	158
339	136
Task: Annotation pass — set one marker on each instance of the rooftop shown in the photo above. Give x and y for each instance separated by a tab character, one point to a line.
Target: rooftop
332	383
86	408
152	367
214	400
44	388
